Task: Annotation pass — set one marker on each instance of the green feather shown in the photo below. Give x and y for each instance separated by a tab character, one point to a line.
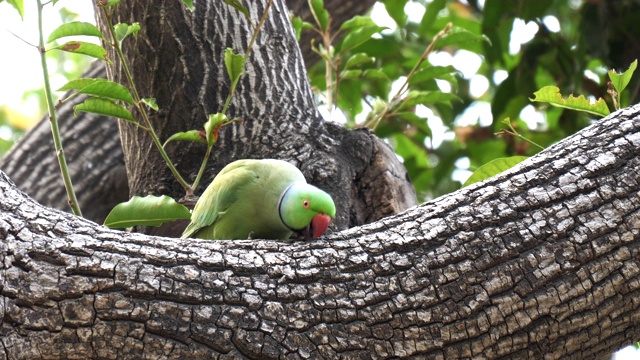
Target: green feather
243	201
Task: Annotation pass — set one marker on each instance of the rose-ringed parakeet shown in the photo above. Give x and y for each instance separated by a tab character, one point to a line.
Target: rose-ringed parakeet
260	199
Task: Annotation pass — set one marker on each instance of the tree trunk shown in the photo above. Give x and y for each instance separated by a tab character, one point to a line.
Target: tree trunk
92	143
540	261
185	50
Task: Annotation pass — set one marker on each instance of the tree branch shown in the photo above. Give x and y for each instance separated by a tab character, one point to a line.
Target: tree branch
543	260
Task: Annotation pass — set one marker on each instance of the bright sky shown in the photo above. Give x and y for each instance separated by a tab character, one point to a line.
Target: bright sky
20	69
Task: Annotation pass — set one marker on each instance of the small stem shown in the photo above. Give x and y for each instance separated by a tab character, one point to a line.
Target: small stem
513	132
614	95
336	68
117	46
234	84
424	56
326	38
202	167
53	119
256	31
376	120
254	37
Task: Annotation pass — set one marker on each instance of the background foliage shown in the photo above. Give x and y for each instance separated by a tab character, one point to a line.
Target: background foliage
569	44
15	118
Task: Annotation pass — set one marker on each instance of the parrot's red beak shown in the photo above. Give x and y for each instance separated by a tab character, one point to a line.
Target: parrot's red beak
319	225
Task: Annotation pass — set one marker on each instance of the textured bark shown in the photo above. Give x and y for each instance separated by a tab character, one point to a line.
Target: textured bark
103	185
542	261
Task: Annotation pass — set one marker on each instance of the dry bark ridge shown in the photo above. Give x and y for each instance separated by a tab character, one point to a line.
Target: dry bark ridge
541	261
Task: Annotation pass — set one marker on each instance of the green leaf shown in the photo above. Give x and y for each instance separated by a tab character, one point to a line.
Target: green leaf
458	36
146	211
357	22
358	59
375	74
107	3
319	13
431	72
103	107
150	102
357	37
395	9
430	15
299	25
211	127
189	4
74	28
99	87
620	81
350	74
19	6
413	119
493	168
123	30
551	95
234	64
191	135
408	149
236	4
428	98
81	47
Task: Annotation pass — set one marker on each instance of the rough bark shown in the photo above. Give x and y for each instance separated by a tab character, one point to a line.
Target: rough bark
97	167
540	261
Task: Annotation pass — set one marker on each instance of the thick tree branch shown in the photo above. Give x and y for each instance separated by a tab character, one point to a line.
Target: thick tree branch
541	261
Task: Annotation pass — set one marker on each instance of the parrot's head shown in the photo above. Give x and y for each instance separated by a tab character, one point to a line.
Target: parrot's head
306	209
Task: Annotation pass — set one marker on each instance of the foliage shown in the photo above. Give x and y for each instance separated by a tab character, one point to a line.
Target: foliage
148	211
565	59
551	95
493	167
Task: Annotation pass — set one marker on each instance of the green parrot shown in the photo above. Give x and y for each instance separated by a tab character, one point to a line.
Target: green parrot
260	199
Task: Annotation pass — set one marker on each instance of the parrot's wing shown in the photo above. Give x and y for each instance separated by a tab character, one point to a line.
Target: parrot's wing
224	191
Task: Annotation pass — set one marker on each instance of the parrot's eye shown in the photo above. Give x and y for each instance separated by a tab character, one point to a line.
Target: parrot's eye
306	204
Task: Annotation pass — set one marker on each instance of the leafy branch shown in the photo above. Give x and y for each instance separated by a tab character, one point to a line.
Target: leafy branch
116	43
133	212
107	98
512	131
617	84
552	96
373	121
